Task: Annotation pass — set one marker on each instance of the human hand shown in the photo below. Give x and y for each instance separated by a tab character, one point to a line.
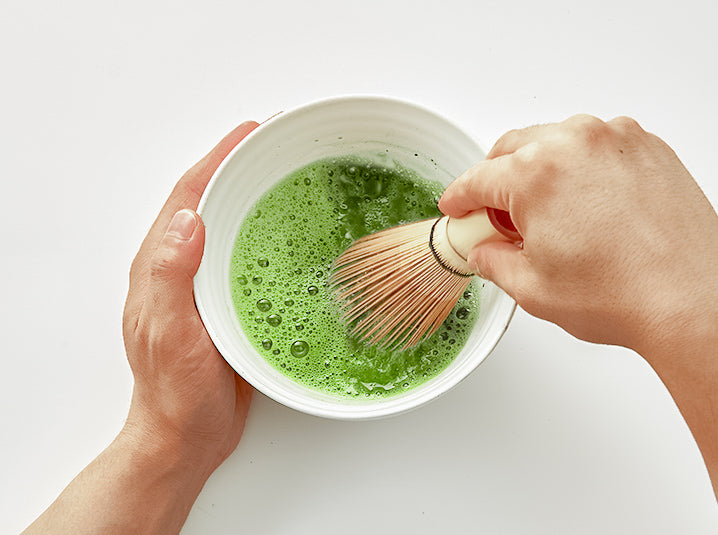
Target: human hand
185	395
620	246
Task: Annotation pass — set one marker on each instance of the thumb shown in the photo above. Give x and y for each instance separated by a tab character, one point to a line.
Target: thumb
175	263
501	262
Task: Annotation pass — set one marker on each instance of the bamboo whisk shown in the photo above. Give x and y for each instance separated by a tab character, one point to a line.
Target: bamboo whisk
396	287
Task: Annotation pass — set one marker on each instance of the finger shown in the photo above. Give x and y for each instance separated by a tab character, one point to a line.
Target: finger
503	263
488	183
513	140
186	194
173	265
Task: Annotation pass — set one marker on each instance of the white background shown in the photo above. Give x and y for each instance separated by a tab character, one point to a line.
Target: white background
105	104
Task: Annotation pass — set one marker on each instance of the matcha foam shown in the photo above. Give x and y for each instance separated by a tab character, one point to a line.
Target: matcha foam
280	268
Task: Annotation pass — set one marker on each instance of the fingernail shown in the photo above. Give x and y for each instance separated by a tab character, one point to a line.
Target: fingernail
183	224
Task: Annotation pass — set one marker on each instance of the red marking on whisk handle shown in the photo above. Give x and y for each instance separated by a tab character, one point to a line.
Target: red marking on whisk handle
501	220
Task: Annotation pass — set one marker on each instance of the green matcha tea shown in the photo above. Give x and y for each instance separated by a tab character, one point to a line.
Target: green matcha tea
280	269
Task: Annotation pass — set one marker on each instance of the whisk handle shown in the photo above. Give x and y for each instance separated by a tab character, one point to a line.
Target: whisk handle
453	238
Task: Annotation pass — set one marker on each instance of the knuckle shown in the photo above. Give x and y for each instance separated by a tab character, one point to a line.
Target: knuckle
468	176
589	129
537	162
162	264
471	184
480	184
500	147
528	156
191	191
626	124
188	190
584	120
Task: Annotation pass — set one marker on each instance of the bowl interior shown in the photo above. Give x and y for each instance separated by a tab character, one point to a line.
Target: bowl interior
384	130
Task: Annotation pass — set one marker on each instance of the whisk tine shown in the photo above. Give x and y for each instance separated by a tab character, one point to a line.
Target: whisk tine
359	301
391	289
402	301
426	319
369	270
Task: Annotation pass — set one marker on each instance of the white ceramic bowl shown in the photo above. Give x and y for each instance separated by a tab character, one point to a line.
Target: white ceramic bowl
360	125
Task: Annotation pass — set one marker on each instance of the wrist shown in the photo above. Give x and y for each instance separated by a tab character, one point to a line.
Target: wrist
162	450
681	329
684	355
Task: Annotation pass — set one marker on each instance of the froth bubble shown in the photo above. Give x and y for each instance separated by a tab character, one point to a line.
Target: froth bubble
462	313
262	261
247	292
257	280
242	280
267	344
313	290
274	319
299	348
288	302
264	305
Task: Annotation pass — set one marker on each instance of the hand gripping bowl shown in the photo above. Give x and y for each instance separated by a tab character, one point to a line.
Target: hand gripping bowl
364	126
